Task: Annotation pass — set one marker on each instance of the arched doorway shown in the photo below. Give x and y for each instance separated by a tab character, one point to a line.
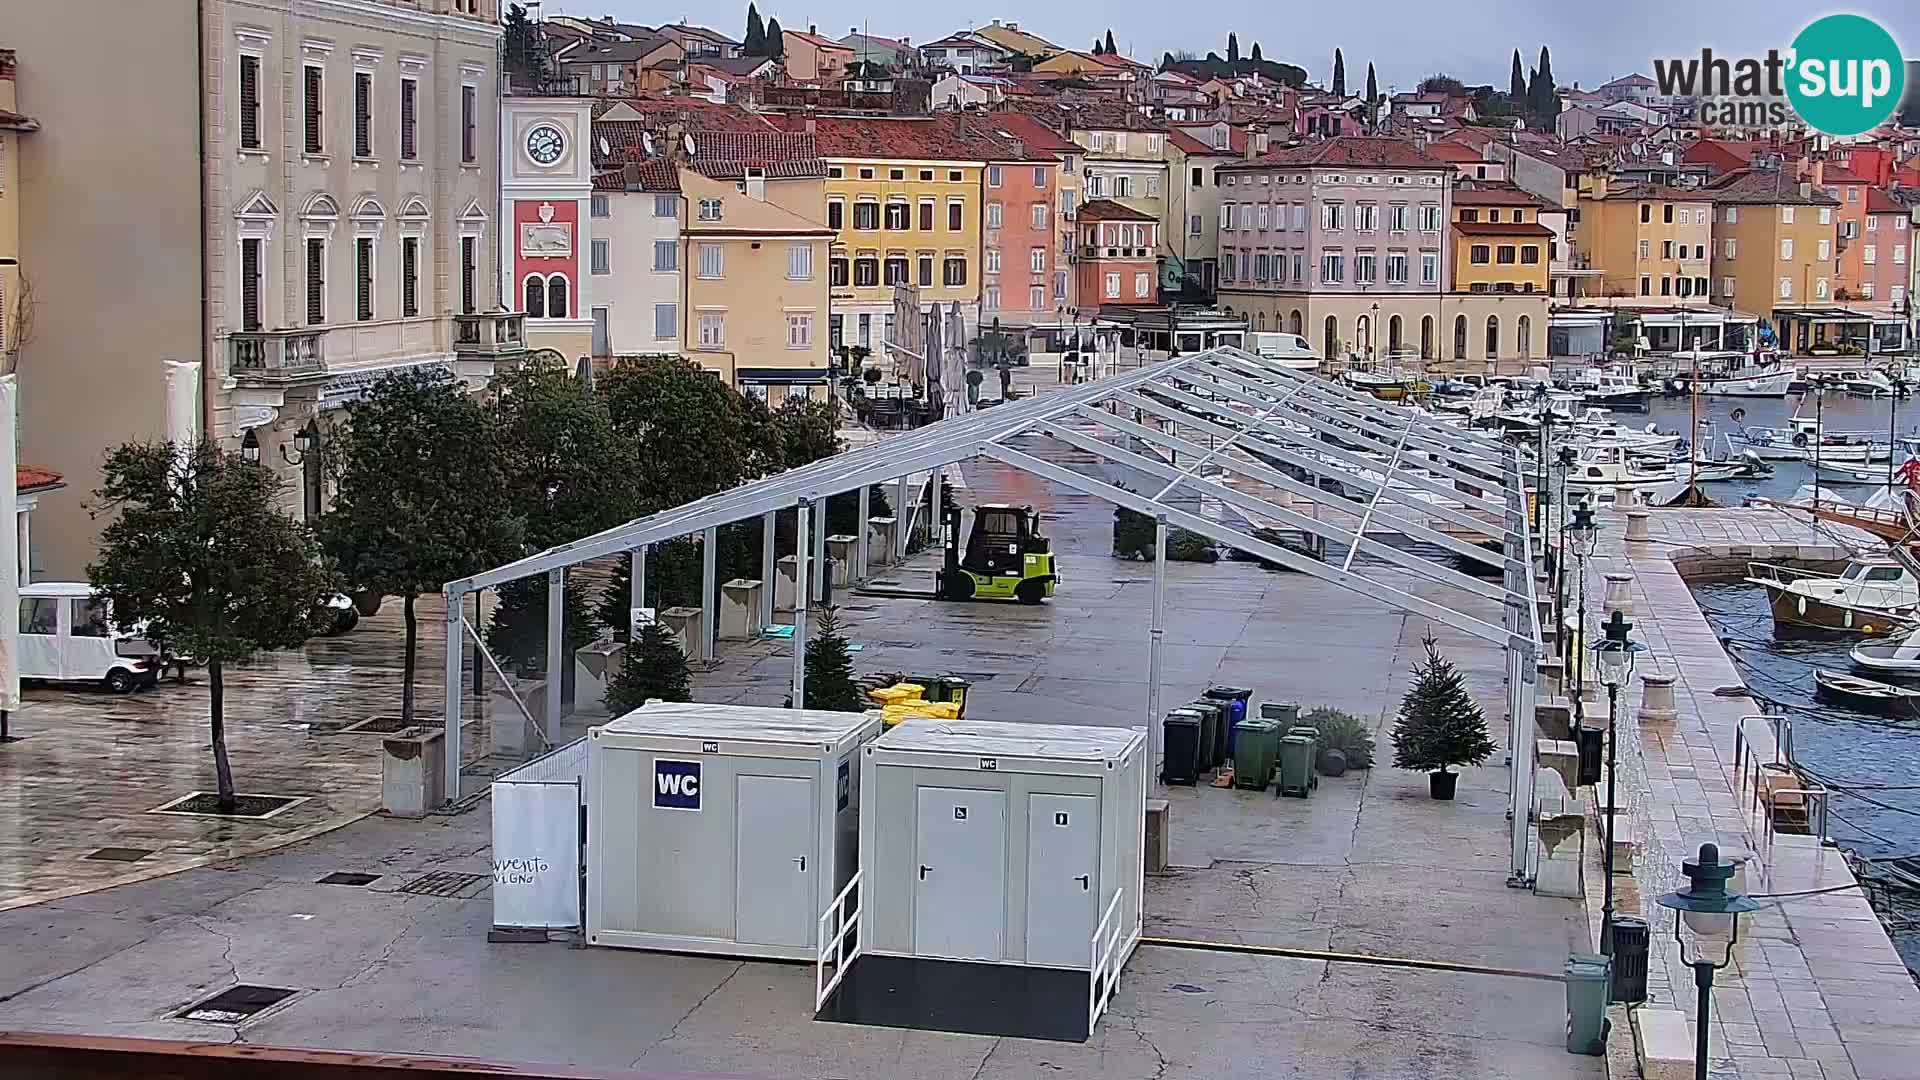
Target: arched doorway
1426	337
1295	322
1459	337
1493	337
1363	335
1526	337
1394	342
1263	320
1333	337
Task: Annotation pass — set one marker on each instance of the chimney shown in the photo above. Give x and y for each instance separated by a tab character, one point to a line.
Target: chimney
756	185
1806	190
810	119
1258	139
630	175
1819	170
812	29
996	22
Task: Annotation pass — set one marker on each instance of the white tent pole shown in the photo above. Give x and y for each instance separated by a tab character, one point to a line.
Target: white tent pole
1155	642
456	618
766	568
10	552
556	642
709	591
800	596
858	572
637	586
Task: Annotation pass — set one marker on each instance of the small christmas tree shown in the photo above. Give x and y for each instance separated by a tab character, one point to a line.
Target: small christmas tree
1440	725
830	682
654	668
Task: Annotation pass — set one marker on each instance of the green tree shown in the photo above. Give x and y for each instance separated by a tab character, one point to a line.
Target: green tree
654	667
830	683
421	495
1373	90
694	435
1233	48
755	43
1111	51
1442	83
1339	74
573	474
776	40
1255	57
806	431
1440	725
1517	82
201	562
517	629
1166	61
1543	101
523	53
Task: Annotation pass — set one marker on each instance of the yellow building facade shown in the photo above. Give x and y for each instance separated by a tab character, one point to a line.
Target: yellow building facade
1775	242
755	279
12	126
1652	244
906	221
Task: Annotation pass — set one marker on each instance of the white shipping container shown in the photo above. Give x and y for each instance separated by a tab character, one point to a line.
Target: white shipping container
721	828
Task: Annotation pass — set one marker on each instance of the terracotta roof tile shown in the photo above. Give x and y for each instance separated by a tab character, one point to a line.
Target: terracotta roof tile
1879	202
1501	195
1501	228
952	137
1350	151
1765	187
29	478
655	176
1014	124
1108	210
1456	152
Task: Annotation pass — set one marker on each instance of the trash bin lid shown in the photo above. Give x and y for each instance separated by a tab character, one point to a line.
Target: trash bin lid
1257	725
1181	720
1296	740
1229	692
1586	967
1193	714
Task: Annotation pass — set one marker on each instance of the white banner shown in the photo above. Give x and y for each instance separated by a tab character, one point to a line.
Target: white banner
536	854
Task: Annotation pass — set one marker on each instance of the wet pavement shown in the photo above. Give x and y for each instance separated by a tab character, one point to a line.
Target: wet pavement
1369	864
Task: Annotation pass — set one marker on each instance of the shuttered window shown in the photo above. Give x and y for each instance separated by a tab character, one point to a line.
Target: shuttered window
362	114
250	102
410	276
316	281
469	246
363	278
409	112
250	284
315	87
469	118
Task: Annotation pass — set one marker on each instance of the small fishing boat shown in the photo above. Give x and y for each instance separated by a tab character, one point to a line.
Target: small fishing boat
1830	473
1804	439
1384	387
1890	657
1862	383
1866	695
1613	391
1774	385
1871	596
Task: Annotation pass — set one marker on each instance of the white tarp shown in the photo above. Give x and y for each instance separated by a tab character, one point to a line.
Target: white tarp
536	840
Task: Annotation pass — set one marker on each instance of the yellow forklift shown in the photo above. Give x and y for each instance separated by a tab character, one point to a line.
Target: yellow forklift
1006	558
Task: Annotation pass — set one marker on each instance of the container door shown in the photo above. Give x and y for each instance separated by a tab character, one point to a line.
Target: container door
1063	879
960	880
774	853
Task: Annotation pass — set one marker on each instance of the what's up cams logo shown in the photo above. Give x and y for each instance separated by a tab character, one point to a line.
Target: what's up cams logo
1843	75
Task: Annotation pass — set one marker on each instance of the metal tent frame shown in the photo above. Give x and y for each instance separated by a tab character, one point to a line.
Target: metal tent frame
1461	492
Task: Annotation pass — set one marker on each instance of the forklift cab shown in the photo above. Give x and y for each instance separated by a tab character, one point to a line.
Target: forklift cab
1005	556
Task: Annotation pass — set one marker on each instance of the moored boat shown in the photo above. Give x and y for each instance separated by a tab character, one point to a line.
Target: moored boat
1871	596
1866	695
1900	658
1773	385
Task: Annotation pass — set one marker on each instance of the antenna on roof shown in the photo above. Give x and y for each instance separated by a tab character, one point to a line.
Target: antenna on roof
646	142
686	141
605	149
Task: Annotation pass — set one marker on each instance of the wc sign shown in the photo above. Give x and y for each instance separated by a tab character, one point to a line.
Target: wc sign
676	784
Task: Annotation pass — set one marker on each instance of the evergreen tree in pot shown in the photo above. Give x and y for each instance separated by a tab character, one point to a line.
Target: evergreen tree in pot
830	682
1440	725
654	667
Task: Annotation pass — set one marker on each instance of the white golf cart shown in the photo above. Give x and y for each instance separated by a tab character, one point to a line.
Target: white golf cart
65	636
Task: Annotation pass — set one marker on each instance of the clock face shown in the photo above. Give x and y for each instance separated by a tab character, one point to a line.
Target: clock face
545	143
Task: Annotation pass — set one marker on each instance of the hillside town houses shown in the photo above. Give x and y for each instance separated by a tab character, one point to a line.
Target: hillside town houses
366	185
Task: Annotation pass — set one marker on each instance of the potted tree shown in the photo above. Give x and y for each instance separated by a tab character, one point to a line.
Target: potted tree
1440	726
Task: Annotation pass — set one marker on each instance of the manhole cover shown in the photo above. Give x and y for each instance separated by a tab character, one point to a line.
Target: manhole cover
235	1004
445	883
342	877
118	854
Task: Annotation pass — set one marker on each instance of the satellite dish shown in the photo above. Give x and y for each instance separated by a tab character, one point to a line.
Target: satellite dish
646	142
605	149
686	141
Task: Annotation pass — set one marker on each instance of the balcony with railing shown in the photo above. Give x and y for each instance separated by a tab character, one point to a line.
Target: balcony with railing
276	356
494	335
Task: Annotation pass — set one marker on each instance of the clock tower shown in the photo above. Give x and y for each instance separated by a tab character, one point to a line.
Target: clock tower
546	182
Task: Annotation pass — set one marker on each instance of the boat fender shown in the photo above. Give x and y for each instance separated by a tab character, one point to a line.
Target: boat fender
1799	438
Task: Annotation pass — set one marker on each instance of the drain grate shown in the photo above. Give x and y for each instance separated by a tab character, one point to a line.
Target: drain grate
118	854
445	883
236	1004
354	880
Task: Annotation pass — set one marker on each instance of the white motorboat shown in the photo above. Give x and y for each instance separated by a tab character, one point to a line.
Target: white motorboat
1613	391
1869	596
1863	383
1614	466
1595	426
1797	442
1890	657
1772	385
1831	473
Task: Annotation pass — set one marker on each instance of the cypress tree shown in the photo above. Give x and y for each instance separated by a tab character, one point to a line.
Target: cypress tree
1517	82
1547	105
1111	51
776	40
1373	86
756	39
1256	52
1233	49
1339	74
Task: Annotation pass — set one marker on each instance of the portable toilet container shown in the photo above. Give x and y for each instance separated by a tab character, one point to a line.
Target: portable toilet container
1001	876
721	829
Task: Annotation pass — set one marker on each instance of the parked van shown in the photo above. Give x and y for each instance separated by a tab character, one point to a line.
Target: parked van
1289	350
65	636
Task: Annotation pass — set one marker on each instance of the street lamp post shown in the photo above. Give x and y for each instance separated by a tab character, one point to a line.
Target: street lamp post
1584	536
1893	414
1614	657
1565	462
1709	908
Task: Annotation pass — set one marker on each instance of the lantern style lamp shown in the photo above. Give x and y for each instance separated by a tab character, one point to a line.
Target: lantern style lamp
1710	909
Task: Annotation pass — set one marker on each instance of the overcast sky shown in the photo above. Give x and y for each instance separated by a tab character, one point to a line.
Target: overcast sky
1406	39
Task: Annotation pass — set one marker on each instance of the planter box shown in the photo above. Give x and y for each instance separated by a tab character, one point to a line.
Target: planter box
688	625
413	774
593	667
510	735
880	547
840	552
783	588
740	609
